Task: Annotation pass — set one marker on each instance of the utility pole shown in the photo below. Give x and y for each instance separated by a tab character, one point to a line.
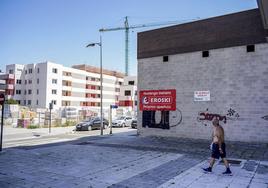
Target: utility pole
50	118
110	120
39	119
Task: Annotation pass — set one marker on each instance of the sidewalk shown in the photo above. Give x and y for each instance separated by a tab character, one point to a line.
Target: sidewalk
11	133
126	160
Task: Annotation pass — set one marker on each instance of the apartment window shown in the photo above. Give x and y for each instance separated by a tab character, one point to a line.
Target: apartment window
117	89
37	103
165	58
92	79
38	70
54	91
37	81
18	92
136	103
11	71
98	95
54	70
65	103
54	102
18	81
25	71
98	88
25	92
54	81
67	93
30	81
37	91
67	73
120	83
25	81
131	82
30	71
205	54
66	83
18	101
24	102
29	102
29	91
136	92
250	48
127	93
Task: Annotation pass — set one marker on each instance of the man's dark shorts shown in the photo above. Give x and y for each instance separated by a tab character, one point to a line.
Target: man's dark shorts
216	152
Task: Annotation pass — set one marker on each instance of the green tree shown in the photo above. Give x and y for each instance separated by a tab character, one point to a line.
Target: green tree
11	101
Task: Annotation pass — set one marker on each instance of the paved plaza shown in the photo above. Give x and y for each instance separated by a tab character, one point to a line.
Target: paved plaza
127	160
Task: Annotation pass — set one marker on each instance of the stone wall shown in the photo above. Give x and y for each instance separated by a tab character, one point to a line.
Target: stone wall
238	85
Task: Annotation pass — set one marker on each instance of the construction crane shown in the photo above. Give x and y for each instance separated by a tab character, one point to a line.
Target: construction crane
126	27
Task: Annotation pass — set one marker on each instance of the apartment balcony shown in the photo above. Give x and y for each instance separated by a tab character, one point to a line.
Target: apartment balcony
126	103
67	88
7	76
6	87
125	98
97	83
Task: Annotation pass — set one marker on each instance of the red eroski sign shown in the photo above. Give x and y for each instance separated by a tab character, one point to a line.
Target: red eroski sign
161	100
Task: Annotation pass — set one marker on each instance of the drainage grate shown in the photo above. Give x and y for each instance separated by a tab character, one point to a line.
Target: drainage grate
232	162
133	135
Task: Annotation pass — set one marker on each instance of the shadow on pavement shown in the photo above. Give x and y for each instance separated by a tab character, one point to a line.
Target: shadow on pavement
193	147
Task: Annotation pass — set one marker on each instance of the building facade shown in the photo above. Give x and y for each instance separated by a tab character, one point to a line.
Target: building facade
128	97
219	69
7	84
36	85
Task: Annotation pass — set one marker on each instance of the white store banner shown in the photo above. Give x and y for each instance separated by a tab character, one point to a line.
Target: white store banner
202	96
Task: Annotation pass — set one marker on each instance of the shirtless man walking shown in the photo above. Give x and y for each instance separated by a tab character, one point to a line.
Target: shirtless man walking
218	147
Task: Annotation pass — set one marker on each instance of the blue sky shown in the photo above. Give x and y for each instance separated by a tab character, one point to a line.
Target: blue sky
33	31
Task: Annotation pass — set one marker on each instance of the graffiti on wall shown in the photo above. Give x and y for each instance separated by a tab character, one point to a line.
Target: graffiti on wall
205	117
161	119
265	118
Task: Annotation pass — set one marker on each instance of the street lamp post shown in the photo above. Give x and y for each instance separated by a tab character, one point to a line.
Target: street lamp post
100	45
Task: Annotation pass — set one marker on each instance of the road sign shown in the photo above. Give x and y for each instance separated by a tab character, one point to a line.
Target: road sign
113	106
51	105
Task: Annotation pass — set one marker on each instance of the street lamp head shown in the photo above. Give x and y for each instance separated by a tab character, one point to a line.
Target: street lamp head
91	45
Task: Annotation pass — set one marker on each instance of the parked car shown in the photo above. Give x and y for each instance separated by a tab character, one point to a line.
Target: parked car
91	124
123	121
134	123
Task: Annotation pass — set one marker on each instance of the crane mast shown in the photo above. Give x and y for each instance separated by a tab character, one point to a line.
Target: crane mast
126	45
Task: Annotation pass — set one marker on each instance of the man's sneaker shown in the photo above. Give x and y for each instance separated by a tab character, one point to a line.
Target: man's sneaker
207	170
227	172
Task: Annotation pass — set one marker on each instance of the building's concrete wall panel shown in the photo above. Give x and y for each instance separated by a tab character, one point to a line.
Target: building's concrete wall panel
237	81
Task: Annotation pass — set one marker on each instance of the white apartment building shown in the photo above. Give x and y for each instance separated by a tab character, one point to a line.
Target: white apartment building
128	96
36	85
